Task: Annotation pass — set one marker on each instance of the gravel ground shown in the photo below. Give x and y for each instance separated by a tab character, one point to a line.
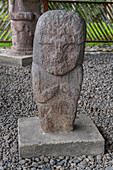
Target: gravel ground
99	48
17	101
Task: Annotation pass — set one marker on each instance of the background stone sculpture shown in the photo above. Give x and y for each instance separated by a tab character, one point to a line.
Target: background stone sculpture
24	16
57	68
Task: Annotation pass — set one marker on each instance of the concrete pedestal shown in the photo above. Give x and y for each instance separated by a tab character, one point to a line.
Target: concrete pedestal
85	139
9	58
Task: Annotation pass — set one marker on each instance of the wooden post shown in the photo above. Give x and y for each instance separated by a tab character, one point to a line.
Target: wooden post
45	6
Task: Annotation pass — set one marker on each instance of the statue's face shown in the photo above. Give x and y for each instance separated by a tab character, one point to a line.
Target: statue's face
58	56
58	46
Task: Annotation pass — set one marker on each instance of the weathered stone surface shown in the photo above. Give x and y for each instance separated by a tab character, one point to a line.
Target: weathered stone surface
57	97
57	68
24	16
59	41
84	140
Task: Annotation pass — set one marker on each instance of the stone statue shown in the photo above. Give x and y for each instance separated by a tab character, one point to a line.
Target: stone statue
57	68
24	16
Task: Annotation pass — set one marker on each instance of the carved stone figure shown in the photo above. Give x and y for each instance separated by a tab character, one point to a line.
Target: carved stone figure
57	68
24	16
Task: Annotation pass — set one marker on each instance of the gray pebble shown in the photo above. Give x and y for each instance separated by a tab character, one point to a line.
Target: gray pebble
75	161
1	168
37	159
22	162
1	163
61	157
52	162
99	157
19	168
40	162
32	168
42	157
35	164
81	166
6	137
91	158
46	160
61	163
92	166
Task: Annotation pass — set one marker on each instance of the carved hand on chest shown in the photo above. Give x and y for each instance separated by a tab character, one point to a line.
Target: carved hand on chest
54	88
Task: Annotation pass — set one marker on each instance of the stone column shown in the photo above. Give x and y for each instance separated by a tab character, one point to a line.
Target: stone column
24	16
57	68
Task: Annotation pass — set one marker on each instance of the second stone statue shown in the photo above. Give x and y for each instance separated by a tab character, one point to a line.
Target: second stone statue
24	15
57	68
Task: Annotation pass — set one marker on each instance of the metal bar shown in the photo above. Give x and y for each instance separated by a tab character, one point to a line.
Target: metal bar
108	5
3	10
5	41
72	6
49	7
3	16
108	12
3	37
3	23
89	2
63	4
100	41
104	18
100	20
67	6
8	23
98	17
4	0
57	5
1	5
1	33
9	36
94	24
98	24
89	29
91	21
52	5
87	25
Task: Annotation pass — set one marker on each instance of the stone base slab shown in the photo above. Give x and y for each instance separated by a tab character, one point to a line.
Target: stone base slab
15	60
85	139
